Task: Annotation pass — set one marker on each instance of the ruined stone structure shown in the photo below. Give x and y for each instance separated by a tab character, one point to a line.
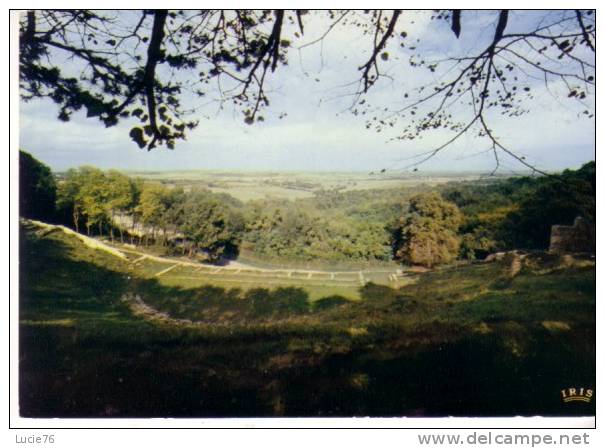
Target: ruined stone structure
577	238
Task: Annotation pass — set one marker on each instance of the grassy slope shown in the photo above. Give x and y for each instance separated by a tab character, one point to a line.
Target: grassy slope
321	284
464	341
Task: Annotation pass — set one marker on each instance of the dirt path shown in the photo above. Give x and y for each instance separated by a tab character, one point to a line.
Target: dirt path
233	267
88	241
241	268
147	312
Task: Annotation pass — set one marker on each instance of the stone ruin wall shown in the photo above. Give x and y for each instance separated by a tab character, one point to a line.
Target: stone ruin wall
580	237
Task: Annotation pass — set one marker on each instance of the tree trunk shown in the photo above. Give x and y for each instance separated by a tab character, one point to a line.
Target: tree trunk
87	228
100	228
111	225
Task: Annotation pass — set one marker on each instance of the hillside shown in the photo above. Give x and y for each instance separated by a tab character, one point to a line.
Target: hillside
105	336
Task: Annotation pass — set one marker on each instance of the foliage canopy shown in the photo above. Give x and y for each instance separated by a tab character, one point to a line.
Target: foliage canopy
37	189
428	234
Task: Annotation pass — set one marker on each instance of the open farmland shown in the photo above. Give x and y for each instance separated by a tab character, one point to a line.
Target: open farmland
247	186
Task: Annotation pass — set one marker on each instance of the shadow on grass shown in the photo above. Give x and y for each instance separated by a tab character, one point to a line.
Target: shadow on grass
92	358
330	302
56	282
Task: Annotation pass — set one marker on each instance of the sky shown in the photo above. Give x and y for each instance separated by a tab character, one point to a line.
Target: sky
319	133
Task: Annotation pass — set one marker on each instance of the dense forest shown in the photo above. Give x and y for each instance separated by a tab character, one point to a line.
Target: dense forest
415	225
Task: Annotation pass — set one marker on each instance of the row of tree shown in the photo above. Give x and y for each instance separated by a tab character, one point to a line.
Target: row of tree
93	198
102	203
192	221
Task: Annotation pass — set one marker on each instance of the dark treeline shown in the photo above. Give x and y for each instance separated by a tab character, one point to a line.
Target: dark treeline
37	188
415	225
517	213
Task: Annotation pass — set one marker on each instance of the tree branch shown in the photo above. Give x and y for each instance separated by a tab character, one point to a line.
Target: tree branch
153	56
377	49
584	31
456	22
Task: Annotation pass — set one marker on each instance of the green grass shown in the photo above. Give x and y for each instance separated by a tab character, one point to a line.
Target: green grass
319	285
466	340
314	291
536	298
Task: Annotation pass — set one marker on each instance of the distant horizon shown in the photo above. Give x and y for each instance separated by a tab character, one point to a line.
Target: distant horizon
433	170
387	174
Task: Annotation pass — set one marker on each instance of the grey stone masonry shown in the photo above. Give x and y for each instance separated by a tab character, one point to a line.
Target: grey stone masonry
577	238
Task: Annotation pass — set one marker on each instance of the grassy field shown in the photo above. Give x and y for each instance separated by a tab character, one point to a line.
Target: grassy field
182	273
470	340
317	284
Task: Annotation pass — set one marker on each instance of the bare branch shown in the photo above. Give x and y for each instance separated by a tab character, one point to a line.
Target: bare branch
584	31
367	82
299	19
